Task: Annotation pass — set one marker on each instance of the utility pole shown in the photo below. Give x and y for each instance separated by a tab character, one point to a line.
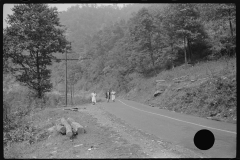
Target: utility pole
66	82
66	59
66	78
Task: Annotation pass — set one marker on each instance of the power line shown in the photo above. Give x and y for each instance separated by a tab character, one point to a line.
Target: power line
71	59
66	59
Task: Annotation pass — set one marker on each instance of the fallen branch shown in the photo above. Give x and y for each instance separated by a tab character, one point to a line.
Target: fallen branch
71	109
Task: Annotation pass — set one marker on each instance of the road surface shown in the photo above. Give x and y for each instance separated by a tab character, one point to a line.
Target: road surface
175	127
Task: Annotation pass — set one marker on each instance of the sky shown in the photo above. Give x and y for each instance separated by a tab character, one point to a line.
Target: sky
61	7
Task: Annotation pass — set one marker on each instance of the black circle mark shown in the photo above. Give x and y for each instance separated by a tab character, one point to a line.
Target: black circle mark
204	139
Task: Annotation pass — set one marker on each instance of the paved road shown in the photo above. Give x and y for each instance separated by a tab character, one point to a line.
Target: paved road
175	127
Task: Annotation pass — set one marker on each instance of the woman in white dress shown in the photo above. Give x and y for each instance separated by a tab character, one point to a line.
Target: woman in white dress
113	95
94	101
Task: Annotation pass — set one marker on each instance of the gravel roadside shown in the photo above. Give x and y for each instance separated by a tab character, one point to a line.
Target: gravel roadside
149	144
106	137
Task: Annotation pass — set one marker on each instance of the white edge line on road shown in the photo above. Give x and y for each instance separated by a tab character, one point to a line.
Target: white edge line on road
178	119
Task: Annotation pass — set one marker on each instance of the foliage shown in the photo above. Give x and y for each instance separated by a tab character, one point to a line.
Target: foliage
34	34
142	30
116	46
154	38
220	24
17	106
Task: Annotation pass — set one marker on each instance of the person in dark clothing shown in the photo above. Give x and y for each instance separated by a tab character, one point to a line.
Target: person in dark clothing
108	95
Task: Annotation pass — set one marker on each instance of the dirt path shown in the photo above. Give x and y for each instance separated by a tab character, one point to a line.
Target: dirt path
106	137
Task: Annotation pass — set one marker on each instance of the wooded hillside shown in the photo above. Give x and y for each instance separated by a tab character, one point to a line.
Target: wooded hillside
154	38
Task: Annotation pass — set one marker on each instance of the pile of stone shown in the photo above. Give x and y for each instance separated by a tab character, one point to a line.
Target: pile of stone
68	127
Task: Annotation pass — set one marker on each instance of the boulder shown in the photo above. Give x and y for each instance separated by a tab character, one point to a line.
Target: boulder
157	93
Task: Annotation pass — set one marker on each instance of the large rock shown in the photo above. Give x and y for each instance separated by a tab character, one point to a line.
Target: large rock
157	93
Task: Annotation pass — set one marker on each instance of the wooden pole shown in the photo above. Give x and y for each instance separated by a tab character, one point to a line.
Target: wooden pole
71	93
66	72
66	79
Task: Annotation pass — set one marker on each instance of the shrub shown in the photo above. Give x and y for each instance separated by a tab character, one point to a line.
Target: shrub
17	106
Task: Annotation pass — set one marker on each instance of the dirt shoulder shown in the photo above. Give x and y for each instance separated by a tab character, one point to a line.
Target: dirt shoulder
106	137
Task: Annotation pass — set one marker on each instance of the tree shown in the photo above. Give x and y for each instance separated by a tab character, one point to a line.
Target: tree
164	38
187	26
220	24
142	31
34	34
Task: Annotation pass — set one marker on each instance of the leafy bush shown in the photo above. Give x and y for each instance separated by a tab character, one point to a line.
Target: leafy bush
18	130
17	107
52	100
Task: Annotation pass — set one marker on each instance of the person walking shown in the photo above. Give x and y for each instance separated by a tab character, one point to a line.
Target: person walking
94	95
113	95
108	95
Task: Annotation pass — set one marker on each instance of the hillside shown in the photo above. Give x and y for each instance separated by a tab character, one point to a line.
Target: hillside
82	21
207	89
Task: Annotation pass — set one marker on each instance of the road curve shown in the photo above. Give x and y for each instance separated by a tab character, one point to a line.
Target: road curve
175	127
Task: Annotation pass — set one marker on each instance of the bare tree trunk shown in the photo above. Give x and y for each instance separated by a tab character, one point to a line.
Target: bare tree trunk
189	50
230	23
231	30
151	53
172	48
39	78
171	44
185	51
